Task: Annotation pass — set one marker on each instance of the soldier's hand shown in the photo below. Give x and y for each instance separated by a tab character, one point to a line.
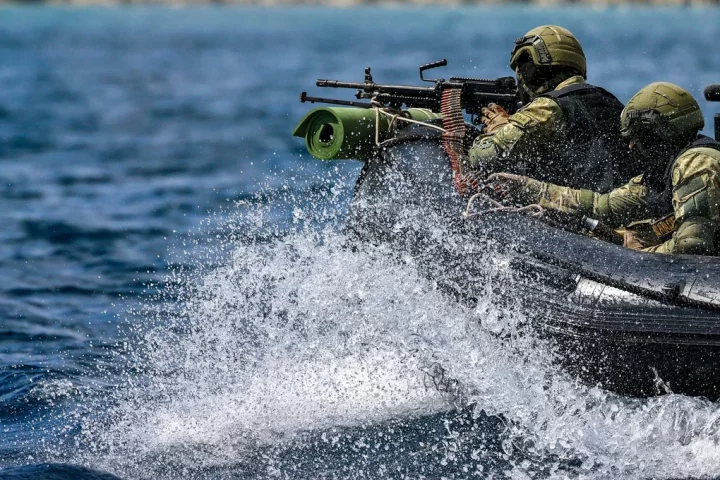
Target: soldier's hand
633	240
506	186
493	116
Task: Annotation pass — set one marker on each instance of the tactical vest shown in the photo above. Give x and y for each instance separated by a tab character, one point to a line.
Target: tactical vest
660	203
591	154
701	142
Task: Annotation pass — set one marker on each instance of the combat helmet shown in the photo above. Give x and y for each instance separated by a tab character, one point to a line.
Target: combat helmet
550	45
662	110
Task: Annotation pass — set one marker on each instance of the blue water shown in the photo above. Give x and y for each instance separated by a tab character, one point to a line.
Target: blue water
176	299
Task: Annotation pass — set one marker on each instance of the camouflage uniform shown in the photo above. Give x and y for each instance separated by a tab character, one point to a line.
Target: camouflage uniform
695	204
568	133
537	124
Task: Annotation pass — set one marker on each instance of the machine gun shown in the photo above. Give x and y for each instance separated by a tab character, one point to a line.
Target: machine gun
475	93
449	98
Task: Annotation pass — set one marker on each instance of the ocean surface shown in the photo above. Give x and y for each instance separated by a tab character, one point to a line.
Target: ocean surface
176	298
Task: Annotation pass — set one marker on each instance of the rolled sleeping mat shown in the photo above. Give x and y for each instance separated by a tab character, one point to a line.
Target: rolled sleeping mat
348	132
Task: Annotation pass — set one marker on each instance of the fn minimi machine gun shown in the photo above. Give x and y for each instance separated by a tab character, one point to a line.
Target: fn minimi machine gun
474	93
448	98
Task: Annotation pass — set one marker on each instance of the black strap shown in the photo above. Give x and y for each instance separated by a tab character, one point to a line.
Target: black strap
702	142
664	198
563	92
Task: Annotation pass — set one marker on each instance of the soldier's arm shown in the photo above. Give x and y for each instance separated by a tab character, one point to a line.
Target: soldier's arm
614	209
533	124
696	203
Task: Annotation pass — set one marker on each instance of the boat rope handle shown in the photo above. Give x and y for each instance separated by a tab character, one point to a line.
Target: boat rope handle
381	109
534	210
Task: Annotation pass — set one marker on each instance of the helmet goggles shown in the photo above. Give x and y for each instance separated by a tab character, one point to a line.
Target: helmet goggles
537	48
645	125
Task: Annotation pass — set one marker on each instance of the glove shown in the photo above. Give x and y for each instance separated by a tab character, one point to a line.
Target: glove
493	116
507	187
634	241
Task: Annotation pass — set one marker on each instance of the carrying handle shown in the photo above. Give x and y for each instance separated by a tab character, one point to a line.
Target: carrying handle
428	66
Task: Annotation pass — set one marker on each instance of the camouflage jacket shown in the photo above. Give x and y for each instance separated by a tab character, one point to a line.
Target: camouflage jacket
538	121
695	228
569	136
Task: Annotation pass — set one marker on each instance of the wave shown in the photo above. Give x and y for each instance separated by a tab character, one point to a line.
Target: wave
307	350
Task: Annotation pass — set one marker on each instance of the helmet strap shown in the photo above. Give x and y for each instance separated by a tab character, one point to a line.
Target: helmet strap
654	159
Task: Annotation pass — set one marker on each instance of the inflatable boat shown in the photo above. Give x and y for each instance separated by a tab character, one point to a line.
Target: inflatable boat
635	323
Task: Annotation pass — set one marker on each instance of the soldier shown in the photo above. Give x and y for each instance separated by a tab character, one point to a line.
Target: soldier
568	133
674	206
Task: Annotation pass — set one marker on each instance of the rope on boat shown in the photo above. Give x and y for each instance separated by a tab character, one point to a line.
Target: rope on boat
453	135
381	109
453	138
534	210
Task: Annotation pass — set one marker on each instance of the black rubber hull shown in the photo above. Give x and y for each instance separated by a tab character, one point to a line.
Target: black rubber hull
637	324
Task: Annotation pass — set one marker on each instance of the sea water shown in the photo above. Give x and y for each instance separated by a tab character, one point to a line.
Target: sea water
178	296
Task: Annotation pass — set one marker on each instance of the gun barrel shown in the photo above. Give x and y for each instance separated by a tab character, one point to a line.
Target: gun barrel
305	98
476	93
339	84
374	87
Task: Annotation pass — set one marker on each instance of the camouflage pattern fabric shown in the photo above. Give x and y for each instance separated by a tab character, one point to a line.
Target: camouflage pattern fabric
695	205
537	123
615	209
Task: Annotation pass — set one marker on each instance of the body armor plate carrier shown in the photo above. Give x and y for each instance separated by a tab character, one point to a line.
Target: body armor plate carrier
593	154
661	203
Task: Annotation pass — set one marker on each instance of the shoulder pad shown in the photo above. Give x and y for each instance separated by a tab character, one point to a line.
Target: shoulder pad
693	162
539	111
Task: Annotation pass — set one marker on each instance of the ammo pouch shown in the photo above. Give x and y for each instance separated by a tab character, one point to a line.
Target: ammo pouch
644	230
653	231
664	227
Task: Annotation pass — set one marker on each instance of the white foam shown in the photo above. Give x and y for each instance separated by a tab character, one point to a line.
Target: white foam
303	334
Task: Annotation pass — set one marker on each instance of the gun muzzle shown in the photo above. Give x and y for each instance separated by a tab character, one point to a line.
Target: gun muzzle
304	97
338	84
